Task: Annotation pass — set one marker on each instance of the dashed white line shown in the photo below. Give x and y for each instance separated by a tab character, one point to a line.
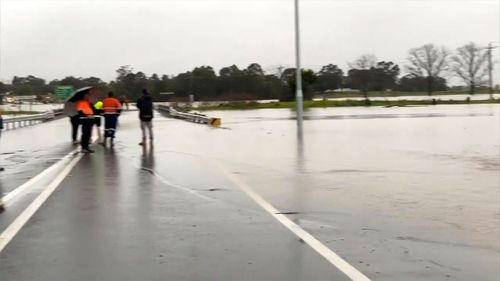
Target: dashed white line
349	270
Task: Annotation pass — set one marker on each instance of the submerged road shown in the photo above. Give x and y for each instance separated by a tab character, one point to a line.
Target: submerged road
251	202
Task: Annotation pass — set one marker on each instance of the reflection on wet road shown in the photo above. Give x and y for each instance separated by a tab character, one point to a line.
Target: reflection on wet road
399	193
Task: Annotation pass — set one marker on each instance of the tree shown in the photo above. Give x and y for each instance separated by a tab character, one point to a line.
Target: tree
360	75
232	70
254	69
470	64
412	82
329	78
129	84
29	85
365	61
379	76
308	79
3	87
70	81
383	76
428	61
123	71
203	82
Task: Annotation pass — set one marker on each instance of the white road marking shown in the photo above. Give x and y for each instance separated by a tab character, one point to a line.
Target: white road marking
310	240
18	190
21	220
171	184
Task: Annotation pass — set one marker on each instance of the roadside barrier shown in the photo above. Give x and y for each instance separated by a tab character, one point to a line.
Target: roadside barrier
191	117
23	121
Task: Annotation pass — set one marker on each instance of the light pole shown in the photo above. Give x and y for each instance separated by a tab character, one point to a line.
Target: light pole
298	70
490	68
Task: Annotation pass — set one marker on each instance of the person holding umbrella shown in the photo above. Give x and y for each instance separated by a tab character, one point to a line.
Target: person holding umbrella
80	101
74	118
86	112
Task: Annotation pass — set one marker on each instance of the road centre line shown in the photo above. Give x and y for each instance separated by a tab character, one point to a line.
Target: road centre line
310	240
11	231
18	190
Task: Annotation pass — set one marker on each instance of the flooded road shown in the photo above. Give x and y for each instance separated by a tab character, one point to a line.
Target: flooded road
399	193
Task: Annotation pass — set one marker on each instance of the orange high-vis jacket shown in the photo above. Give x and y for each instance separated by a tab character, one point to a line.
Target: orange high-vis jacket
111	105
85	107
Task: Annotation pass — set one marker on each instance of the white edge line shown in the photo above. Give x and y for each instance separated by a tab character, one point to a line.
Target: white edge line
310	240
36	178
21	220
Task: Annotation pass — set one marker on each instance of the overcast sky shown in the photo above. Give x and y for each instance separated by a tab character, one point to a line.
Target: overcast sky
54	39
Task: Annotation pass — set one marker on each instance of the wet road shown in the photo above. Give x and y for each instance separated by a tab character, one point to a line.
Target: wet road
399	193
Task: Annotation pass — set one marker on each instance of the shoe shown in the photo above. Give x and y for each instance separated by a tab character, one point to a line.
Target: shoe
87	151
76	142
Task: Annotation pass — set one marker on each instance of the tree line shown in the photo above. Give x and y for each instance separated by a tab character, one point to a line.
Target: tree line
426	70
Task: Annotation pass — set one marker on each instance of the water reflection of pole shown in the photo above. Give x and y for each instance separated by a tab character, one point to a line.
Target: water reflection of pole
298	70
300	153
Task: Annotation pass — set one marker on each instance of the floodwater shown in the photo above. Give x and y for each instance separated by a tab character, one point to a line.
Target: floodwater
425	176
30	107
407	193
440	164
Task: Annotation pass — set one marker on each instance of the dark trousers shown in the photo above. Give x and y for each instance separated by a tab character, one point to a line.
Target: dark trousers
75	122
87	123
110	121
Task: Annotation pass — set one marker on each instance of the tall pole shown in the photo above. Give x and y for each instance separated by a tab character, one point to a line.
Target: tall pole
490	70
298	70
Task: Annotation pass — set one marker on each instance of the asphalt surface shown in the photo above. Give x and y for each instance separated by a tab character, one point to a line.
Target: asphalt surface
113	218
170	212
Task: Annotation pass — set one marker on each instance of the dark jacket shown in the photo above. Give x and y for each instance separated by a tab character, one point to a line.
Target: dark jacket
145	106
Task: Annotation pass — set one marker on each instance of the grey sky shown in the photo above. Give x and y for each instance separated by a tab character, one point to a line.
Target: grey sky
54	39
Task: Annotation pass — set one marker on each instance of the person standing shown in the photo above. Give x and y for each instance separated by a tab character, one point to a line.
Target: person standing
111	111
86	113
74	119
98	111
145	106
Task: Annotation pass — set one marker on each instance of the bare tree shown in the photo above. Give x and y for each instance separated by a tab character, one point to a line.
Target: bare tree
470	64
428	61
366	61
360	74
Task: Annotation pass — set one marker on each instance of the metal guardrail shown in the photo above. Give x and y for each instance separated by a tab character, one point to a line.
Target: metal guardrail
58	112
191	117
23	121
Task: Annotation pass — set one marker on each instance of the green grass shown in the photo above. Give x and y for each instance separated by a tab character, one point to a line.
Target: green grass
335	103
398	94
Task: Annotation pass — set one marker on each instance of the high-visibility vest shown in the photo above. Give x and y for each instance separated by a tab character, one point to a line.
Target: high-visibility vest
98	105
85	107
98	109
111	105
